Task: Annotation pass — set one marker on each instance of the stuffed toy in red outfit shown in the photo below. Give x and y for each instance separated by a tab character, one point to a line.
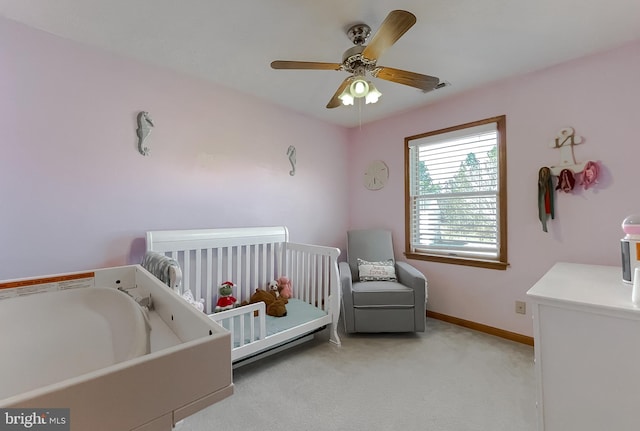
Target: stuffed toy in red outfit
226	300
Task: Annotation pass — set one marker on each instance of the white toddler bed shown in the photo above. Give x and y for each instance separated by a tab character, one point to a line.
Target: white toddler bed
251	258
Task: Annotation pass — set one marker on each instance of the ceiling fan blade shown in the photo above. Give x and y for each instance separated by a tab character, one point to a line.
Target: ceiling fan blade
392	28
412	79
335	100
312	65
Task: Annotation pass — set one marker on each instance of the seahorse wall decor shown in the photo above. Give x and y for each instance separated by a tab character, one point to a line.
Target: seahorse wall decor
145	124
291	152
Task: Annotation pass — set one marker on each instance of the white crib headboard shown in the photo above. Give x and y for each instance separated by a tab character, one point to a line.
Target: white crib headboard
249	257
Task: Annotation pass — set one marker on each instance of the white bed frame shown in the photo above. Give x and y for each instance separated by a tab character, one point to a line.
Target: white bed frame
250	258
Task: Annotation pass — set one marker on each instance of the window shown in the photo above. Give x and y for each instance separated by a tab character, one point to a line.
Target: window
456	195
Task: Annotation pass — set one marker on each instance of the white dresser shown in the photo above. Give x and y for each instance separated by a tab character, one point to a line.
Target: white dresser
587	349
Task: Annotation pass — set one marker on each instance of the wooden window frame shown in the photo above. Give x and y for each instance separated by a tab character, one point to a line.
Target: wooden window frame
501	261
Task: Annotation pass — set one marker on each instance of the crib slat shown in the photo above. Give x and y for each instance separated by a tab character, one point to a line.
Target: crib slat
263	272
289	272
228	274
255	265
313	282
252	329
269	263
246	257
198	275
306	267
219	258
209	277
299	275
186	273
242	331
237	258
326	280
297	292
296	274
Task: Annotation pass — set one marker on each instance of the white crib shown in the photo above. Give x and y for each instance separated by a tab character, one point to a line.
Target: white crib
250	258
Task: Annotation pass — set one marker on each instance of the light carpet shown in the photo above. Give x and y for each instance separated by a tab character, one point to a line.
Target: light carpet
448	378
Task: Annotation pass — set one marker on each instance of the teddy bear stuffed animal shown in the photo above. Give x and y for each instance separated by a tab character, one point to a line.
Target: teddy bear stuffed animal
276	307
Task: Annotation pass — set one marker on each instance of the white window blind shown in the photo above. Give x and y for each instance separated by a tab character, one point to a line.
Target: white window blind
454	192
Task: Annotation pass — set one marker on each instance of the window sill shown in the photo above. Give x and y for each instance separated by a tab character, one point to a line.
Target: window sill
489	264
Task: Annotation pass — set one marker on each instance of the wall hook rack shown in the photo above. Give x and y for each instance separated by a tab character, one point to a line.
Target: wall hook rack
565	141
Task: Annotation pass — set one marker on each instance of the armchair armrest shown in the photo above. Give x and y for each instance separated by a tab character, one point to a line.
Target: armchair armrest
411	277
347	296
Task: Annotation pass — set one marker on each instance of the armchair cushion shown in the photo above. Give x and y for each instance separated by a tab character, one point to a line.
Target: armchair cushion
376	271
386	293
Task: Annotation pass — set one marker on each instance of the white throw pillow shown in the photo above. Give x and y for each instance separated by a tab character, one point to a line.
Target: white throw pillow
377	271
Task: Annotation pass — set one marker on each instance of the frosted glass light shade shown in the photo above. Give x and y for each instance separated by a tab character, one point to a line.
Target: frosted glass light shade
373	95
359	88
346	98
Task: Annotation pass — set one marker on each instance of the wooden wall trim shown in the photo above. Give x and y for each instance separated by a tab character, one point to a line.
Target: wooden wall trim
513	336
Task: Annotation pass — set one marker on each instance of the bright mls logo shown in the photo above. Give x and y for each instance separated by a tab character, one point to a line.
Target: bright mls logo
35	419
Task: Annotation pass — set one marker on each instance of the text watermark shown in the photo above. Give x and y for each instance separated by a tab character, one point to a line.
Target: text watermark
15	419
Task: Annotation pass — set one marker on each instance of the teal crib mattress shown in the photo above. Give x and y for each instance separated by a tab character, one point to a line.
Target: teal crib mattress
298	313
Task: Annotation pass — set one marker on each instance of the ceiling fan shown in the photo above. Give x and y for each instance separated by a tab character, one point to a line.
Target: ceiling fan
361	59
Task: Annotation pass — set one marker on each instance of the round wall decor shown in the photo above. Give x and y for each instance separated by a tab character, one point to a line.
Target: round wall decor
376	175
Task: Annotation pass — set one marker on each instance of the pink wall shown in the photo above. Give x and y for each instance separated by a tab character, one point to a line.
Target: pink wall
600	97
76	194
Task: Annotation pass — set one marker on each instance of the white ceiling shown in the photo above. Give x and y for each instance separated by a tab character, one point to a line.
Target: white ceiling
468	43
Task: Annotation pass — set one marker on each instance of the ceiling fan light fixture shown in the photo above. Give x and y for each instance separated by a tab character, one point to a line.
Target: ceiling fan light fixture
373	95
359	88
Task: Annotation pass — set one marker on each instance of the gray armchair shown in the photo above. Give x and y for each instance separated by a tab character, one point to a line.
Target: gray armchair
380	305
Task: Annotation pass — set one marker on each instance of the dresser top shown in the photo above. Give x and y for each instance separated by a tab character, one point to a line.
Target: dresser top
580	284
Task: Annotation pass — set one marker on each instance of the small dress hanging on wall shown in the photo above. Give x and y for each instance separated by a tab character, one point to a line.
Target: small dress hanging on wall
589	174
566	182
545	196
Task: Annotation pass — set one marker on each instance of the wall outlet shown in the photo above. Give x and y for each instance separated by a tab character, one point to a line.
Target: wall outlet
521	307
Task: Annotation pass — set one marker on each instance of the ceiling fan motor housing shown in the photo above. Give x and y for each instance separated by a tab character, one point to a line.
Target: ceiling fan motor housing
354	62
359	33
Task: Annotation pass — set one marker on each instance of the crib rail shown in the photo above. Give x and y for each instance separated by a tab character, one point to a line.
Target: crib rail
246	328
313	271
